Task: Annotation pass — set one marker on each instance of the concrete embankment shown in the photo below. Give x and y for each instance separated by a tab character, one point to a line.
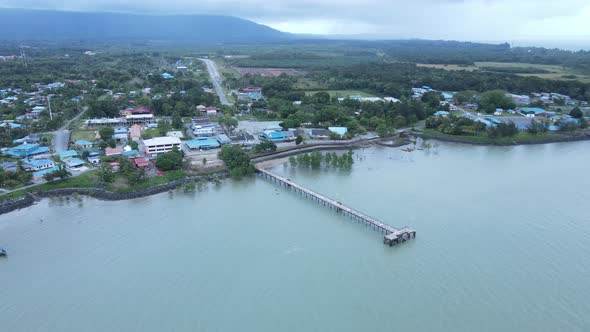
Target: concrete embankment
102	194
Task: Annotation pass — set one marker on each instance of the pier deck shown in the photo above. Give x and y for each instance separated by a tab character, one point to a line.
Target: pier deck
392	235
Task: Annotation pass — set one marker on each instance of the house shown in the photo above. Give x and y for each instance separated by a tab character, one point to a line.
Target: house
121	134
65	155
202	108
167	76
319	133
204	130
441	113
94	160
135	133
223	139
9	166
212	110
141	110
83	144
75	163
141	162
289	135
130	153
38	164
341	131
158	145
532	111
273	136
202	143
250	94
113	152
26	150
37	176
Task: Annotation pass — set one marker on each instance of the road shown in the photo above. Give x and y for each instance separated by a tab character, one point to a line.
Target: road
216	80
61	137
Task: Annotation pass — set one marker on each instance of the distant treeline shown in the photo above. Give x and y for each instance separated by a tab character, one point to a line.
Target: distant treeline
397	79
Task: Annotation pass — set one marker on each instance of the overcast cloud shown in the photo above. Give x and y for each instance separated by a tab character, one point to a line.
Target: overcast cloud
493	20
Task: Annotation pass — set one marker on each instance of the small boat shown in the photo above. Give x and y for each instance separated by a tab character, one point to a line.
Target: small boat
2	252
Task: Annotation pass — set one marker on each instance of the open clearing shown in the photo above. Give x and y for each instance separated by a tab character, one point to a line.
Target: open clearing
267	72
87	135
553	72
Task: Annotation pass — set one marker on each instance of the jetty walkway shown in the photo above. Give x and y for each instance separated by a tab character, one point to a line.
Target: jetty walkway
392	236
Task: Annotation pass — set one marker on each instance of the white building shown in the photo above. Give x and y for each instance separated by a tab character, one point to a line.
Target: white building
158	145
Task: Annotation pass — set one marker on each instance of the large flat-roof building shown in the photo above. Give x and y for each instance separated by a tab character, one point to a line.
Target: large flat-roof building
158	145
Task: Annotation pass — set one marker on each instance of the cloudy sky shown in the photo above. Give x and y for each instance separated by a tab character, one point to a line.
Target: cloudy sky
478	20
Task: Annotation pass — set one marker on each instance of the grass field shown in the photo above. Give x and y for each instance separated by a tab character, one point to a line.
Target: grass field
341	93
552	72
87	135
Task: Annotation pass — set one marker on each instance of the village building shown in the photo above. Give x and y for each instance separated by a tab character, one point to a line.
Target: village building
38	164
26	150
113	151
159	145
202	143
135	133
83	144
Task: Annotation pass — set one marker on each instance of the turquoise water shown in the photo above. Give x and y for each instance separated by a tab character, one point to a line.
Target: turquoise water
502	244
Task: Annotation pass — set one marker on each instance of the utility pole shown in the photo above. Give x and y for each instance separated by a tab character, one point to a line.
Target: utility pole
23	56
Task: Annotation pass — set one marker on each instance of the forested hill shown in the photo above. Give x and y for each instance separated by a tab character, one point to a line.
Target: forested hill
22	25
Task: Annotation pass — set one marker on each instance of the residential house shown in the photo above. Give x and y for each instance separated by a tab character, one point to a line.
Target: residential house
38	164
113	151
83	144
121	134
68	154
135	133
223	139
532	111
141	162
74	163
38	176
441	113
250	94
318	133
9	166
202	108
212	110
158	145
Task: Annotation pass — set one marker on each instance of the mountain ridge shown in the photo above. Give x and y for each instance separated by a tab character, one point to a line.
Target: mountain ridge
24	24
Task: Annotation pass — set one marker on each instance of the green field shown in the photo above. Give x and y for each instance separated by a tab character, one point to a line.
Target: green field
552	72
87	135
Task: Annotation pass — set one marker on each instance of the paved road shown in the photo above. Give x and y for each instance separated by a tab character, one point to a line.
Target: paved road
216	80
61	137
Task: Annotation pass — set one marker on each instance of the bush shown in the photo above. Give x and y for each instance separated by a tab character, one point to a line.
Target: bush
170	161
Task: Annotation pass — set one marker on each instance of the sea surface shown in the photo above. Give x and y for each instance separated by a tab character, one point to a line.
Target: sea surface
503	244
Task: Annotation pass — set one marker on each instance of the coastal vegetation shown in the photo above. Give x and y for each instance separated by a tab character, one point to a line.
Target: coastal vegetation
236	160
318	159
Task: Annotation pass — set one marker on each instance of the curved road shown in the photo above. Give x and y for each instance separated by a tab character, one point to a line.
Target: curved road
216	80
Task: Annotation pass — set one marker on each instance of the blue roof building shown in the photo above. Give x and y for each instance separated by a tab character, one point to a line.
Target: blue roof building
273	136
130	153
223	139
38	164
75	162
26	150
202	143
167	76
67	154
441	113
532	110
83	144
338	130
39	174
9	166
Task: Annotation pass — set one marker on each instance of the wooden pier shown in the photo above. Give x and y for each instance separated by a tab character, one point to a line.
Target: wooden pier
392	236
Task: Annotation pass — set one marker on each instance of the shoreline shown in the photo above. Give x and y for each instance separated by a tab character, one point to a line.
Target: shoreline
459	140
32	197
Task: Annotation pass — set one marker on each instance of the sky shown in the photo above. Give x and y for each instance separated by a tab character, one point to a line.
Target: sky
474	20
